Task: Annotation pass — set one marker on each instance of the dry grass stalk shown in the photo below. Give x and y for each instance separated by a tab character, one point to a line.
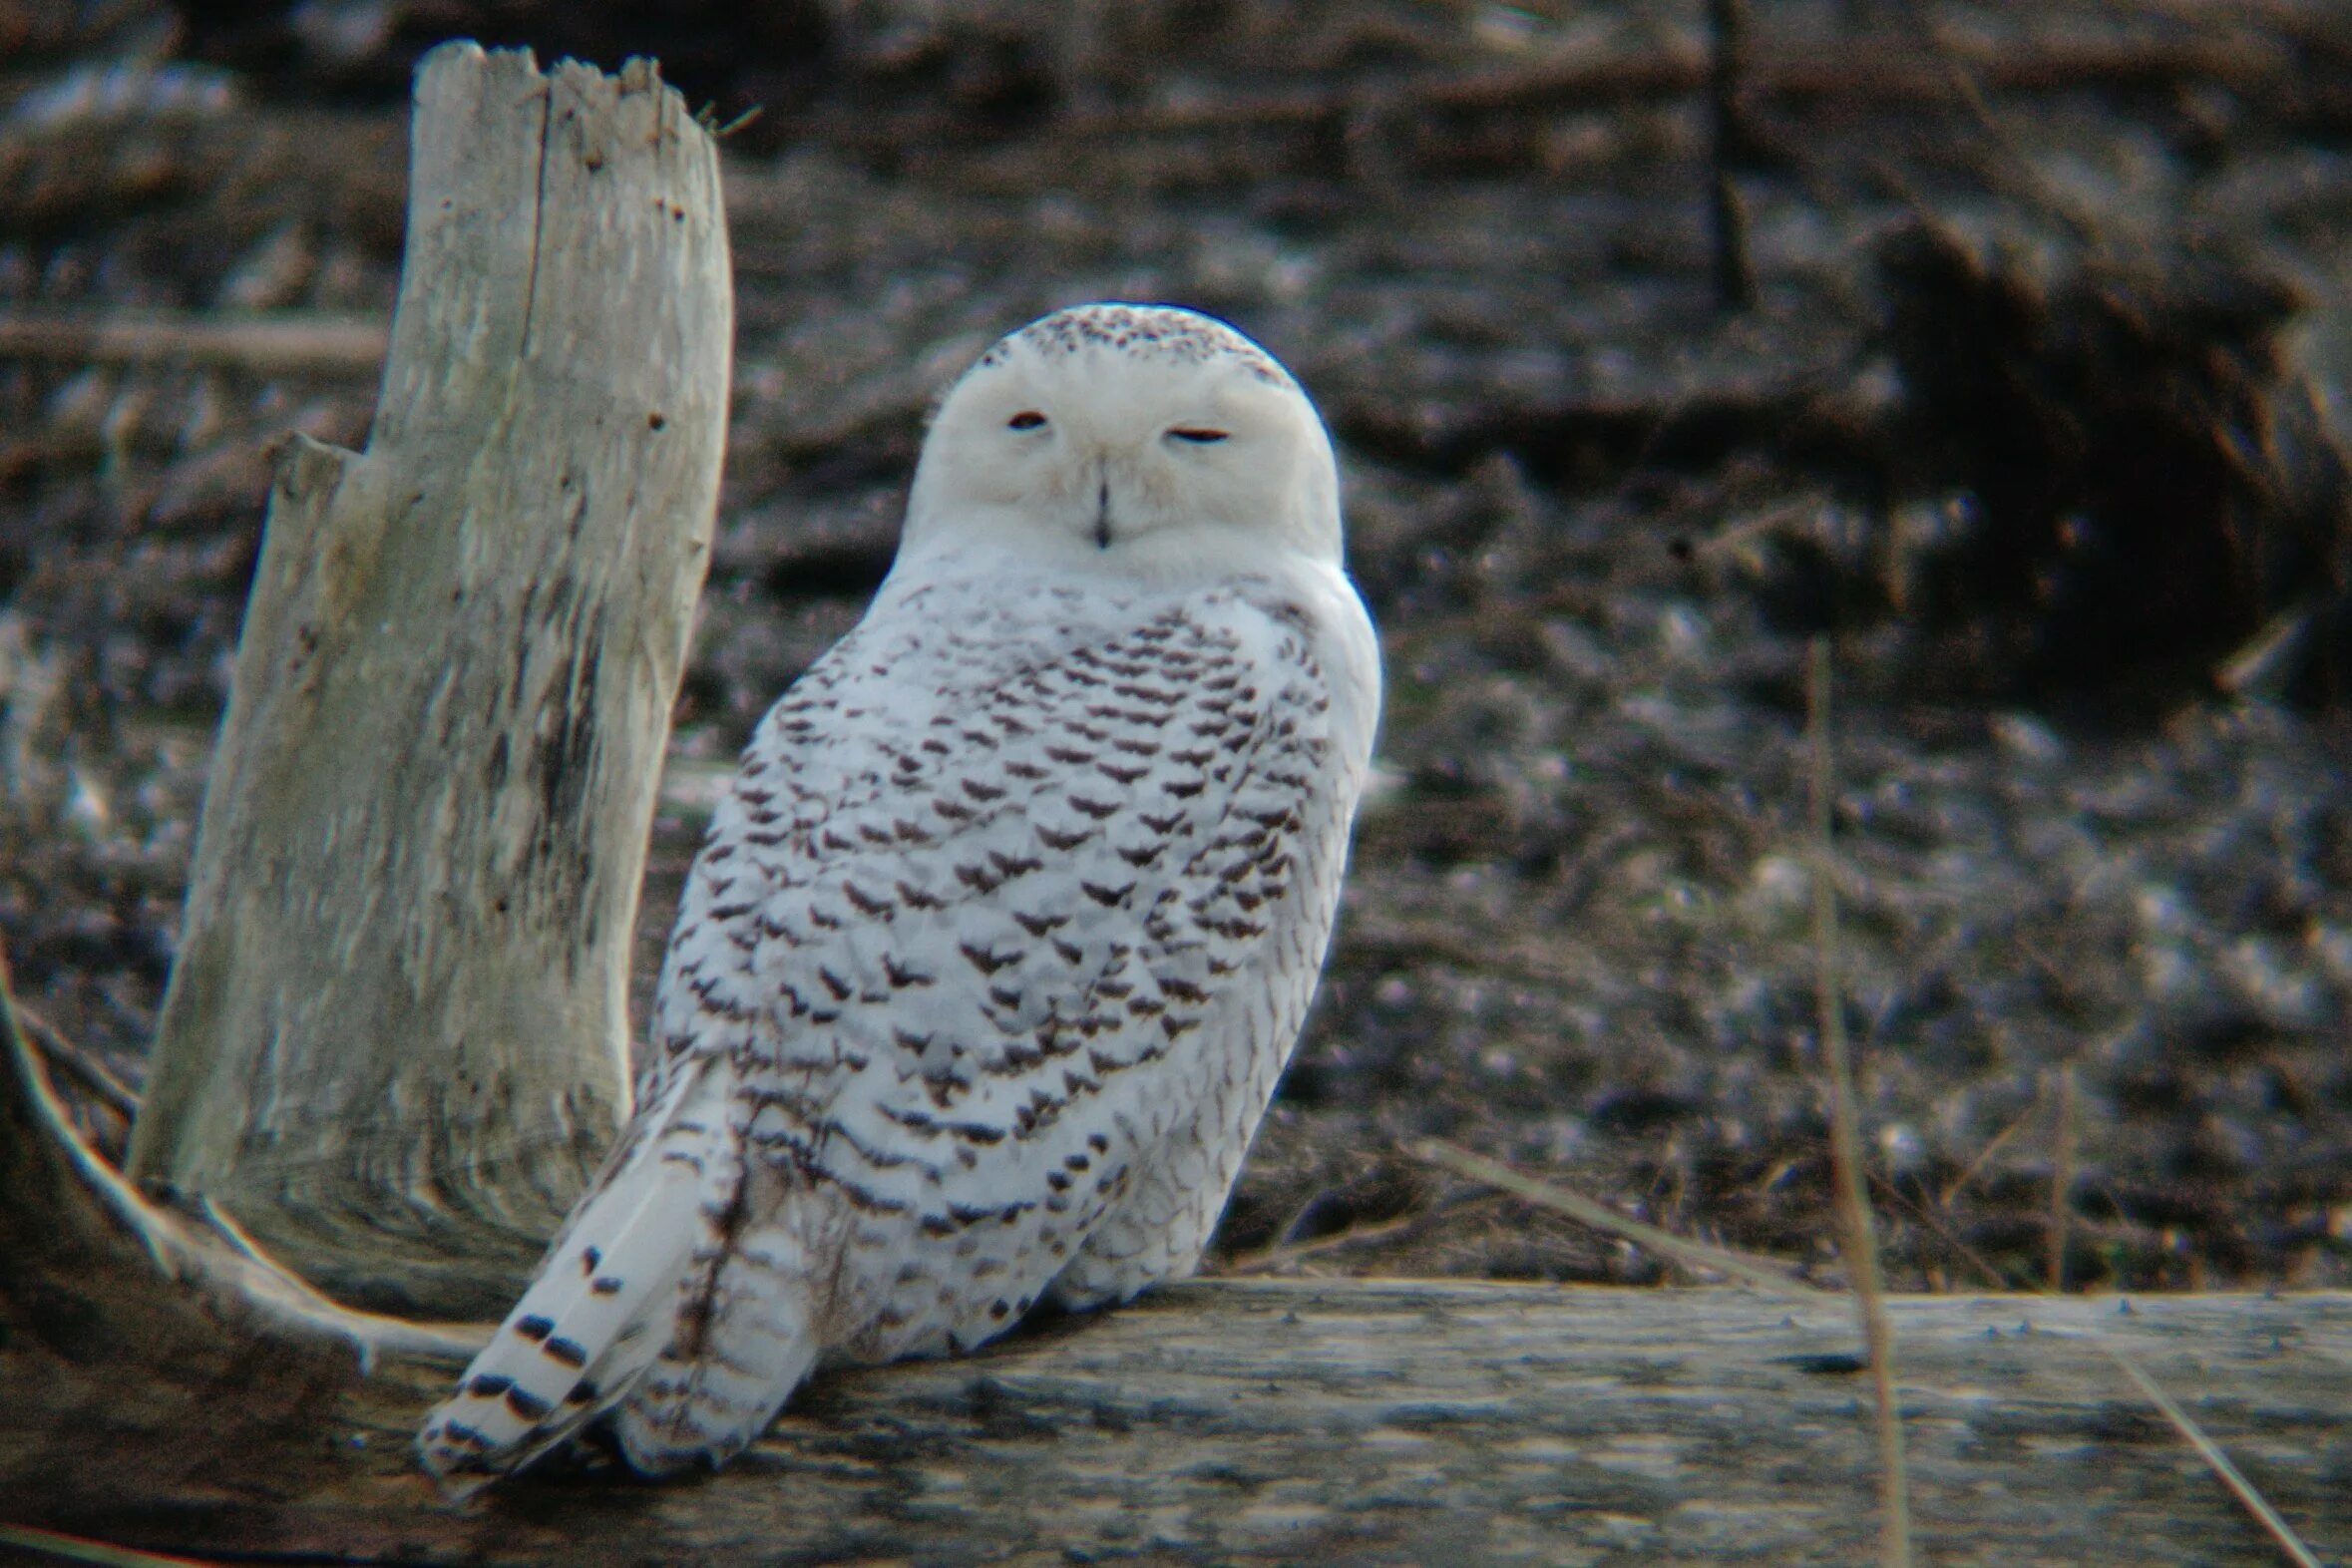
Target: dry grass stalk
1934	1218
2218	1462
1983	1156
1845	1140
2062	1177
1269	1258
95	1077
1761	1273
2010	164
1734	268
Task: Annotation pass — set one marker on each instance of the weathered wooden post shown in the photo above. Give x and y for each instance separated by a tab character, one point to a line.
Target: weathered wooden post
395	1039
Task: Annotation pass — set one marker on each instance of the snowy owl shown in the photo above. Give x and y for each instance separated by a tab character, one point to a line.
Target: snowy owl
1006	925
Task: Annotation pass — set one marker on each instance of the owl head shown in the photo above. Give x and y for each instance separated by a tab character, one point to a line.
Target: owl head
1144	438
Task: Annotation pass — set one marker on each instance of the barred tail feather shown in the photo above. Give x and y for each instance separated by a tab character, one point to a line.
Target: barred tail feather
594	1318
746	1339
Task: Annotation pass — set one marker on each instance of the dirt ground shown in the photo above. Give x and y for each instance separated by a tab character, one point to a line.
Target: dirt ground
2034	411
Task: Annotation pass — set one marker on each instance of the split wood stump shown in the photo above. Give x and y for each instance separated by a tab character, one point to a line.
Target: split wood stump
393	1046
395	1039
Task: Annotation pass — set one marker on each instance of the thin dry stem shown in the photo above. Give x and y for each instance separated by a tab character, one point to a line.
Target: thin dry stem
1734	266
1282	1255
2218	1462
93	1075
1762	1274
2062	1177
1930	1216
1961	80
1845	1140
1960	1183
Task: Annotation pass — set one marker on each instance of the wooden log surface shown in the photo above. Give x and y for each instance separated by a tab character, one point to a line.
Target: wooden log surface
394	1039
1349	1420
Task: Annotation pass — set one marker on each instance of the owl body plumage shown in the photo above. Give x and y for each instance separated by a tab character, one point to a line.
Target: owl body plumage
983	979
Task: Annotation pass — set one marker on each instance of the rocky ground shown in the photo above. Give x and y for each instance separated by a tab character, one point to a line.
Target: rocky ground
2032	411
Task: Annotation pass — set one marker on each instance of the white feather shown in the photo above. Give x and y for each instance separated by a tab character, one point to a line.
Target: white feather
597	1314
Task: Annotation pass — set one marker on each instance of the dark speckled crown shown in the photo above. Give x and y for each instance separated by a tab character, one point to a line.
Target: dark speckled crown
1165	331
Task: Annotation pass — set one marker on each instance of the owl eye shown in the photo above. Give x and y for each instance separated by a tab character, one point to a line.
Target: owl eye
1197	435
1027	419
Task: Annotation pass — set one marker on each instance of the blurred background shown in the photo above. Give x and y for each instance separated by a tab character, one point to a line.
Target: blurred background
2005	344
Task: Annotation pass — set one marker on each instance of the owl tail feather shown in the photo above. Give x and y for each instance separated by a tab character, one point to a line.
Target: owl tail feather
592	1322
749	1340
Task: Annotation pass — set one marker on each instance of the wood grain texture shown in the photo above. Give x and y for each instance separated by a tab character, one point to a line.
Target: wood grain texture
395	1036
1353	1421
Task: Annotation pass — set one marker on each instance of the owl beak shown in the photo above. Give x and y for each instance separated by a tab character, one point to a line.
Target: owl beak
1103	516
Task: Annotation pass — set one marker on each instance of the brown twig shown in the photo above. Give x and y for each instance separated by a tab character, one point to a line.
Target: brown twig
1961	83
1266	1258
1734	536
1734	268
86	1070
1845	1137
1975	1167
2062	1177
1935	1223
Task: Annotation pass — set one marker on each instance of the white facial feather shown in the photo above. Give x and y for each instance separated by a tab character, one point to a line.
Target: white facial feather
1008	925
1158	432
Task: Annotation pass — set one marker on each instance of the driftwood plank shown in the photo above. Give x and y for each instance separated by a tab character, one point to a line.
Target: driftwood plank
1365	1421
395	1036
1437	1422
